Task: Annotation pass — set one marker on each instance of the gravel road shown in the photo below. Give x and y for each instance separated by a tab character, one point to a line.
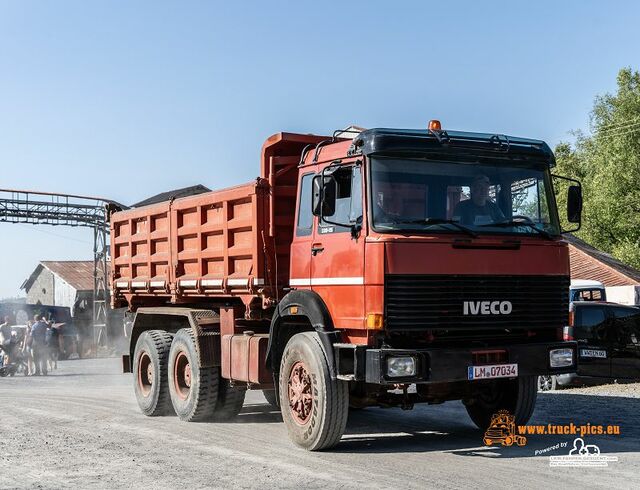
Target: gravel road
80	427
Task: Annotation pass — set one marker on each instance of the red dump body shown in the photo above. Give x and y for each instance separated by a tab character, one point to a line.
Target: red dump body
206	244
228	243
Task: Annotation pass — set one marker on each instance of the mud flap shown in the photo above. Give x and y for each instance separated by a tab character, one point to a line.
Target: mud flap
126	364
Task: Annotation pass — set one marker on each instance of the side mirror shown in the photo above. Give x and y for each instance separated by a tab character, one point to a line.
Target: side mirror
574	204
324	196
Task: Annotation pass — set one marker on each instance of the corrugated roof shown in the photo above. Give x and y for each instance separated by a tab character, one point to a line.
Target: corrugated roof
588	262
77	273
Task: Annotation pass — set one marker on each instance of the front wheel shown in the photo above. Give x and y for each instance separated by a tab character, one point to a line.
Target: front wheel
314	406
517	396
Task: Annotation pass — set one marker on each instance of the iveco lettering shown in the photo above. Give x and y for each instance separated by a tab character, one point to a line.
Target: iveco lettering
487	307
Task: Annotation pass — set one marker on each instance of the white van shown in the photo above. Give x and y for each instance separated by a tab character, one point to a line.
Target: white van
587	290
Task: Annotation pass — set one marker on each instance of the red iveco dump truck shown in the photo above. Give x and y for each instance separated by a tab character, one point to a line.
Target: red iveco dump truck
398	267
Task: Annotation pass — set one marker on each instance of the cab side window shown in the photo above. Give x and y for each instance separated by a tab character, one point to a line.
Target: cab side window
627	322
348	201
591	319
304	226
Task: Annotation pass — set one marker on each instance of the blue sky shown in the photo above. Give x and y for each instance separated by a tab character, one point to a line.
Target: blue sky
126	99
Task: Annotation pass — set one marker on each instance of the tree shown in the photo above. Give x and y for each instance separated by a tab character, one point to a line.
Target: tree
607	162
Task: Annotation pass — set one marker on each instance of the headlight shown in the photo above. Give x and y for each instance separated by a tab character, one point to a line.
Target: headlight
401	367
561	358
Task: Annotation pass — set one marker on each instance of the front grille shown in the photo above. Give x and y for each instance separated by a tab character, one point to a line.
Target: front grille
434	302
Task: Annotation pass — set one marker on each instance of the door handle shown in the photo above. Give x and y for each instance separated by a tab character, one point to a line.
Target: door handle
316	249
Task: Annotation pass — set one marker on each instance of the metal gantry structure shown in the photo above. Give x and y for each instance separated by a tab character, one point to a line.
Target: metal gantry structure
46	208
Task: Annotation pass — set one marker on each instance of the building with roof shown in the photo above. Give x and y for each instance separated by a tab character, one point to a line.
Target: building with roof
621	281
63	289
67	283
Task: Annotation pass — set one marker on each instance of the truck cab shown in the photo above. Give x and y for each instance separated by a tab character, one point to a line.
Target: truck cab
439	259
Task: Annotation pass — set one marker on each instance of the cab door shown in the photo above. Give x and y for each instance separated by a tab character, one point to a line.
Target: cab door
592	334
625	338
337	252
300	271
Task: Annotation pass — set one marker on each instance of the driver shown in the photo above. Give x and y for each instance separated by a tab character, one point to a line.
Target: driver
479	209
381	208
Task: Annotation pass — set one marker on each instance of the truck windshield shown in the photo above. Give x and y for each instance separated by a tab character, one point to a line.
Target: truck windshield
415	195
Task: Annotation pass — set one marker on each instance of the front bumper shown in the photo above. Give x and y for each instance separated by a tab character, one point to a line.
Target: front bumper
575	379
447	365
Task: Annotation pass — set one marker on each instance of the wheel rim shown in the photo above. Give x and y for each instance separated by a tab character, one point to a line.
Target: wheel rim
544	383
145	374
300	394
182	375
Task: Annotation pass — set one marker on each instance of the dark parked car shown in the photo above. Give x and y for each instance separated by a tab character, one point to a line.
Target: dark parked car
608	336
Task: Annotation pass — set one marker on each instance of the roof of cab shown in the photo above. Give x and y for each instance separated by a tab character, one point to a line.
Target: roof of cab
585	283
496	146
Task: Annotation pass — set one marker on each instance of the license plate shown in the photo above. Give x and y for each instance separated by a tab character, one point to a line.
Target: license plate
495	371
602	354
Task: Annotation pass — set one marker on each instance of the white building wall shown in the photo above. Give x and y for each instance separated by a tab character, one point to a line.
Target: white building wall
65	294
626	295
43	289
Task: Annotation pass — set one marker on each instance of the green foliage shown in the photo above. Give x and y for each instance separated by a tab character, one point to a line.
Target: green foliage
608	164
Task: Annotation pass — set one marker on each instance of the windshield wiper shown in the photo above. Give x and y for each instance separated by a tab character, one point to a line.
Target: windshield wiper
441	221
506	224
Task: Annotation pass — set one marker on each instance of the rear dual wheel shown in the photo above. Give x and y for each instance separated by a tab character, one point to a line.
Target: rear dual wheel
168	379
150	373
198	393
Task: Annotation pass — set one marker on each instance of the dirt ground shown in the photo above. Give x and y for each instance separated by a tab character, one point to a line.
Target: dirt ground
80	427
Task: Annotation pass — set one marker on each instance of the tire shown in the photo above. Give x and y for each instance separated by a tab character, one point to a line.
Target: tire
318	418
547	383
517	396
193	389
272	399
230	401
150	373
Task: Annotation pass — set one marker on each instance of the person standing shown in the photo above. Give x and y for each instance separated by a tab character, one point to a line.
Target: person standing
39	345
5	340
53	346
27	351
